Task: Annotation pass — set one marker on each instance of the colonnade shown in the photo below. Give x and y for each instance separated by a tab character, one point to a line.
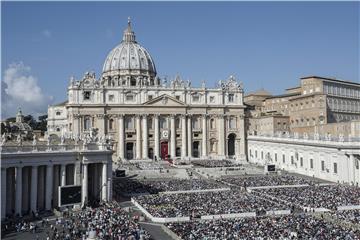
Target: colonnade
27	189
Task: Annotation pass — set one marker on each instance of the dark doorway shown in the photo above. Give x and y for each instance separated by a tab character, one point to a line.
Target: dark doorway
151	153
231	144
196	149
129	151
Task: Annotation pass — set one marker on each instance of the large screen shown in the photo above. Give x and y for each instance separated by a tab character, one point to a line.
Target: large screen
271	168
69	195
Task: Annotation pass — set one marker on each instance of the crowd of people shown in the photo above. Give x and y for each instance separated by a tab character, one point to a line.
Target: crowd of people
280	227
205	203
136	186
330	196
214	163
348	216
108	221
268	180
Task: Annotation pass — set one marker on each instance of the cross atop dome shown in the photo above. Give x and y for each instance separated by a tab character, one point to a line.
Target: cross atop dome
129	35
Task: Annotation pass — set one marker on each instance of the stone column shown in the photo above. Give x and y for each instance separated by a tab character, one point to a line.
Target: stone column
145	137
76	173
173	137
76	127
84	186
3	193
204	136
34	185
138	137
63	174
242	147
157	137
121	142
104	182
18	190
49	186
189	136
183	136
351	168
109	180
221	137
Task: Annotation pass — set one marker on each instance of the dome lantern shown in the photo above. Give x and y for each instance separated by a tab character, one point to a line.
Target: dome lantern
129	35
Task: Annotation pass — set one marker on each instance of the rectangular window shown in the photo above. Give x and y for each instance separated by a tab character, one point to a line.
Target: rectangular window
335	167
250	153
129	98
301	162
177	97
87	95
150	97
283	158
212	99
275	157
111	98
292	160
262	155
231	98
196	98
311	163
256	153
322	166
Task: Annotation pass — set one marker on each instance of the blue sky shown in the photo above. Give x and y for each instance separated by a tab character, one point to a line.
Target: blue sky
264	44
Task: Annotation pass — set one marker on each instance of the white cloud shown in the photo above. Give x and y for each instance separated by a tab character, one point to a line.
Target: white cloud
46	33
21	89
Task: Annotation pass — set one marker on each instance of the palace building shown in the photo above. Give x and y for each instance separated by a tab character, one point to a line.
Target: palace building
148	117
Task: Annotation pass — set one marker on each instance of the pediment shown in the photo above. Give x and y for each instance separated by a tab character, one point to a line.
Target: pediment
164	100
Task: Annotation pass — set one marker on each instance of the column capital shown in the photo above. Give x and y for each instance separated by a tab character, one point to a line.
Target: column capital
205	115
101	116
183	115
172	116
76	116
137	115
144	115
120	115
156	115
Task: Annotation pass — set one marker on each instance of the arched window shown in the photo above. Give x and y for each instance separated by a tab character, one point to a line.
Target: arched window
150	123
232	123
87	123
213	145
163	122
111	124
129	123
177	123
196	123
212	123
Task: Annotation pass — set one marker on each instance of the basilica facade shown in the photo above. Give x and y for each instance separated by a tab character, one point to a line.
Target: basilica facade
152	118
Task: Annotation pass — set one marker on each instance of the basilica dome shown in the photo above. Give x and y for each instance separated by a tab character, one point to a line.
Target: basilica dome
129	58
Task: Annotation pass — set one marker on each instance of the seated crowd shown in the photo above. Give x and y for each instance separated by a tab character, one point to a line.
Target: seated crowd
205	203
330	197
131	186
108	221
280	227
214	163
348	216
267	180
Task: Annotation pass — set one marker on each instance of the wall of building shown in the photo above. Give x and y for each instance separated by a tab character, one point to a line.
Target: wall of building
331	161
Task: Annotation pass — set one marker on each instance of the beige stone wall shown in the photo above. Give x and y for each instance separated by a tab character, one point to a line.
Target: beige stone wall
348	129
